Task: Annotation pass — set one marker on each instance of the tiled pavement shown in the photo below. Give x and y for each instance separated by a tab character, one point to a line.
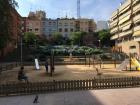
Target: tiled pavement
95	97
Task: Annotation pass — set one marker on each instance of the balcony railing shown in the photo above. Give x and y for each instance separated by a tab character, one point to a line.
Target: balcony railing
124	19
136	19
114	37
114	30
125	33
136	8
125	15
135	1
114	23
128	2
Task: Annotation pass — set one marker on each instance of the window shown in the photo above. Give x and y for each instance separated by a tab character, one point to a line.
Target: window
30	30
66	24
60	29
36	29
71	29
132	47
50	23
66	30
60	24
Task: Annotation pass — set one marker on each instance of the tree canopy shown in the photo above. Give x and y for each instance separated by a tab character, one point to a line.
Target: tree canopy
77	38
104	36
30	38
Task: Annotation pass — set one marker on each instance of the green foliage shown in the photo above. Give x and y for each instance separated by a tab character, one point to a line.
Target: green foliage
104	36
77	38
5	21
57	38
30	38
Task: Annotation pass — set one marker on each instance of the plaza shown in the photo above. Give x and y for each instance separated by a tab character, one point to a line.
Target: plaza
129	96
66	72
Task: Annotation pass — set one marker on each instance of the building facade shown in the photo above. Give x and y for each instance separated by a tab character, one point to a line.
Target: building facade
49	27
85	25
125	27
66	26
34	25
15	27
102	25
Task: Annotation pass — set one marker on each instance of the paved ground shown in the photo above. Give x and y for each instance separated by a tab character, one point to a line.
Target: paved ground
65	72
95	97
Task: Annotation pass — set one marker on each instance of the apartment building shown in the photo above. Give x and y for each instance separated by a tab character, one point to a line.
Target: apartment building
66	26
85	25
49	27
125	27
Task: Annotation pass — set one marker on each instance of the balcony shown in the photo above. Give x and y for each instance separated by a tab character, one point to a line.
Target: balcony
114	37
114	15
114	30
124	10
128	2
136	8
126	27
125	14
125	24
125	33
136	19
136	33
135	1
114	23
137	28
121	21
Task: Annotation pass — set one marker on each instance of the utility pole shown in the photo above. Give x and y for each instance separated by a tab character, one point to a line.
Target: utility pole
78	9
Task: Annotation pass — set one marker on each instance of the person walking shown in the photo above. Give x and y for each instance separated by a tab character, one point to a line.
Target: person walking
46	65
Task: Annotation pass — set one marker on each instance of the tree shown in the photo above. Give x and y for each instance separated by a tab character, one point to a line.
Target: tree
6	21
104	36
77	37
57	38
30	38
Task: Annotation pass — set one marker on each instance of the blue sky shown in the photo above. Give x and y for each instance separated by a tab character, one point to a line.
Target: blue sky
96	9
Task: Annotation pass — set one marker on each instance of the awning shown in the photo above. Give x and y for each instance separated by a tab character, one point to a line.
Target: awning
126	27
136	33
124	19
125	33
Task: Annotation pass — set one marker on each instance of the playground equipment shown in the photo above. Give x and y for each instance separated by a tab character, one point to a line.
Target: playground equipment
136	63
131	62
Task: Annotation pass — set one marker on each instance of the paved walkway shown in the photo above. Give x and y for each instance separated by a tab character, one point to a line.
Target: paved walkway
96	97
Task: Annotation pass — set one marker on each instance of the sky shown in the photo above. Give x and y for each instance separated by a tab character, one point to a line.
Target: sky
95	9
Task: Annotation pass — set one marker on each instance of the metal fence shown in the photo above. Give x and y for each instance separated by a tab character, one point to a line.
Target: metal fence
8	66
71	85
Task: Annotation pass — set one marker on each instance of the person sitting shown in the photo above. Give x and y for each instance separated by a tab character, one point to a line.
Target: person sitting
21	75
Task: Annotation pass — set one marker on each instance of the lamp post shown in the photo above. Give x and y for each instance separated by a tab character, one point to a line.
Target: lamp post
21	46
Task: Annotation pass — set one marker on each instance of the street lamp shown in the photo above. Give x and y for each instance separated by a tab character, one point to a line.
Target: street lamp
21	45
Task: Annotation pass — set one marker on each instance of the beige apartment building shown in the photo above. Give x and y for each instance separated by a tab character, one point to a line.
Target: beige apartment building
85	25
66	26
125	27
34	25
